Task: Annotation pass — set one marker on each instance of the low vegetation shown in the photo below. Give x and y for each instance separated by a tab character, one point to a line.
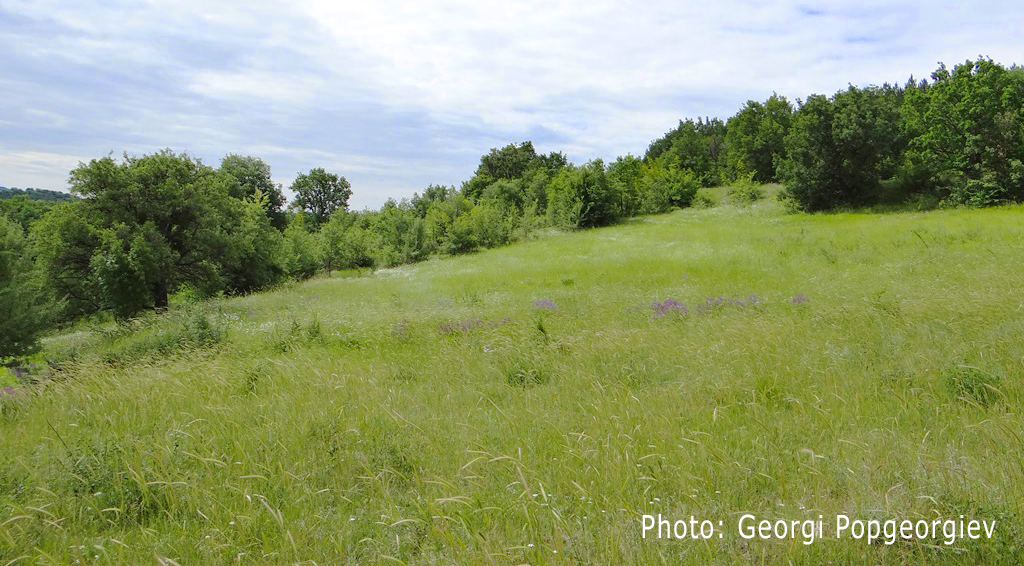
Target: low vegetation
531	403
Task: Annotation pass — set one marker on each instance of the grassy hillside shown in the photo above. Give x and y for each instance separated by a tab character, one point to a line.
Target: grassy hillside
531	404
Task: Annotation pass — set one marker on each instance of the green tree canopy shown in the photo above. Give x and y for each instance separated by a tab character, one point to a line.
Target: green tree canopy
320	194
755	137
970	126
841	149
249	176
146	225
509	162
695	145
582	197
22	309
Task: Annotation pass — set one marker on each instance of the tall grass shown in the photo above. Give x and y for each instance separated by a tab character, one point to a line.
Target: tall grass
530	404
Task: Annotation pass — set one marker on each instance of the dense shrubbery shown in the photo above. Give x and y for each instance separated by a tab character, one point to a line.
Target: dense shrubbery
149	225
957	139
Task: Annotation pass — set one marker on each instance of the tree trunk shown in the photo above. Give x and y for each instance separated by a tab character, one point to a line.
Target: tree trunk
160	296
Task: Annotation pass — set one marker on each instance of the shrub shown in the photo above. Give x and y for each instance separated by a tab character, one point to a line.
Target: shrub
581	197
745	190
667	187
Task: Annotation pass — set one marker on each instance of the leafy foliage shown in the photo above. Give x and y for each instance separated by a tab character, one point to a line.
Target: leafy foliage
745	190
250	177
43	195
303	250
698	146
755	138
581	197
665	186
24	210
841	149
971	132
160	220
22	310
320	194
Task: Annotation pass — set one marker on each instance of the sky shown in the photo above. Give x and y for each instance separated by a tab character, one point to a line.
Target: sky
397	95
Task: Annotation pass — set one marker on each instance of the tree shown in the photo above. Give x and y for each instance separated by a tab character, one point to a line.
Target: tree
840	150
24	210
509	162
321	194
440	218
509	196
698	146
22	309
970	123
581	197
254	256
626	175
755	137
64	243
147	225
401	234
432	194
346	244
302	249
249	176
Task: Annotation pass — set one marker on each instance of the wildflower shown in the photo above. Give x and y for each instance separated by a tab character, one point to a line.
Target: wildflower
670	305
798	300
545	305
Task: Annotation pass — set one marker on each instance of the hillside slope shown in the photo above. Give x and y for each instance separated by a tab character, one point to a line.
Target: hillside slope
531	404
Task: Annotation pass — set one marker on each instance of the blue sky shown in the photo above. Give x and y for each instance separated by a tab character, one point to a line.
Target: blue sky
397	95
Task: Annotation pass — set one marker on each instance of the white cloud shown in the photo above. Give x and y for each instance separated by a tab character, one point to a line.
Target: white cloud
266	85
33	168
399	94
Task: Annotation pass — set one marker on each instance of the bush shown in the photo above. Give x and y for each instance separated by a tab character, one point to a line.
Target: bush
665	188
302	249
461	236
745	191
581	197
492	228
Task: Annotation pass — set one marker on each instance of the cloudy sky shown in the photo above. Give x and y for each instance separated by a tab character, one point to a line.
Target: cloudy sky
397	95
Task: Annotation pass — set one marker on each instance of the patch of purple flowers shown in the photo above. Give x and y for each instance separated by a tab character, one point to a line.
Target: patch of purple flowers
669	306
24	373
545	305
799	300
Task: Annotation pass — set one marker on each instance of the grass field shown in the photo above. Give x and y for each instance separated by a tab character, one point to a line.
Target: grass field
531	404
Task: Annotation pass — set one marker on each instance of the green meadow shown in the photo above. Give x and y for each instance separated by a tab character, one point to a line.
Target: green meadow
531	404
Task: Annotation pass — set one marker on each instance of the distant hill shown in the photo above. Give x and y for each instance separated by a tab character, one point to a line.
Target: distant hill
37	194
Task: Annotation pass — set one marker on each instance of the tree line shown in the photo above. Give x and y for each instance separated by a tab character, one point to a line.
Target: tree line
35	194
146	227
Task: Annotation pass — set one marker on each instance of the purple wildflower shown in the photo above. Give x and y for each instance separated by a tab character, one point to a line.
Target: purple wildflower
798	300
545	305
669	306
